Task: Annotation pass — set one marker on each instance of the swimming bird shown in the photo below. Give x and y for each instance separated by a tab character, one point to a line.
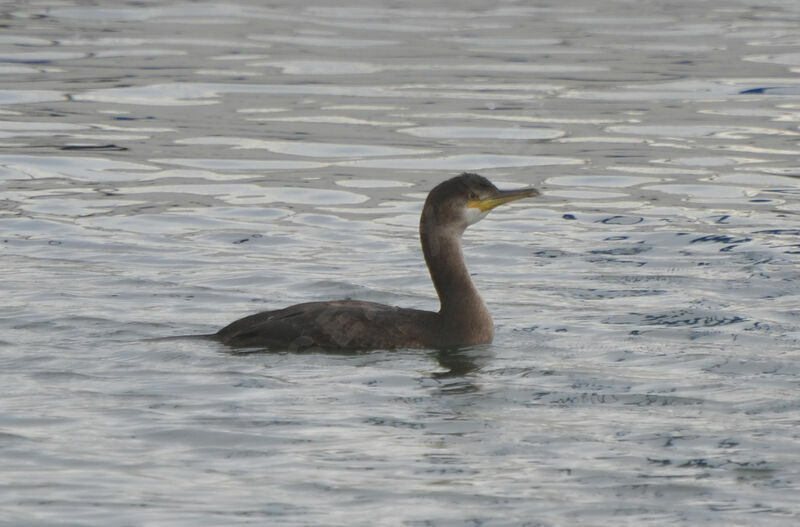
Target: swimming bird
462	320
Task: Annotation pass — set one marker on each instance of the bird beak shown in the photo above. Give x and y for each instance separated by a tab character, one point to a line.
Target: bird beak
504	196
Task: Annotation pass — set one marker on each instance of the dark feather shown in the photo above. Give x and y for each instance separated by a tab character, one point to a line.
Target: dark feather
343	324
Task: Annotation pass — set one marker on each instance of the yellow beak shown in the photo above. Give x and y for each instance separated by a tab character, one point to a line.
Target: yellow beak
504	196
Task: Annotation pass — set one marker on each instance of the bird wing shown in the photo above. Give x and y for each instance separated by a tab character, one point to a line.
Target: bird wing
345	324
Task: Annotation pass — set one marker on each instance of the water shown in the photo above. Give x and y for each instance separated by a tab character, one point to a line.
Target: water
169	167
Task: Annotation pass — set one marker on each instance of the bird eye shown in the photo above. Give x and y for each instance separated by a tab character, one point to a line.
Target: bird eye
473	196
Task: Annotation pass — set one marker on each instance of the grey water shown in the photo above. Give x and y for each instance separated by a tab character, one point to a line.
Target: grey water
167	167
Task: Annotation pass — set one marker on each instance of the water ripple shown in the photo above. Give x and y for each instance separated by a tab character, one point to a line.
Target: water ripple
168	167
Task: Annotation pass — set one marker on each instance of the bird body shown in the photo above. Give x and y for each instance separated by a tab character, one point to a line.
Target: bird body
462	320
339	324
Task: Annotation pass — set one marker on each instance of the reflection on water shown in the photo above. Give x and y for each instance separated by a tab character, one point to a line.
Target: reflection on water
474	132
167	167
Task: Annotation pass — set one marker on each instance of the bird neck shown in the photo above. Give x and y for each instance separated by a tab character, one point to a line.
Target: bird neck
462	310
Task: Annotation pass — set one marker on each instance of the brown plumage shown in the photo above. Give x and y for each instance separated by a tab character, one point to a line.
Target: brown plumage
462	319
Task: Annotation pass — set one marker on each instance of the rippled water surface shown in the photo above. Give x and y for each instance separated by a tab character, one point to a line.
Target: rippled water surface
168	167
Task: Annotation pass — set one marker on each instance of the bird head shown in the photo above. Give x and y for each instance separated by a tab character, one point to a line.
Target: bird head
466	199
